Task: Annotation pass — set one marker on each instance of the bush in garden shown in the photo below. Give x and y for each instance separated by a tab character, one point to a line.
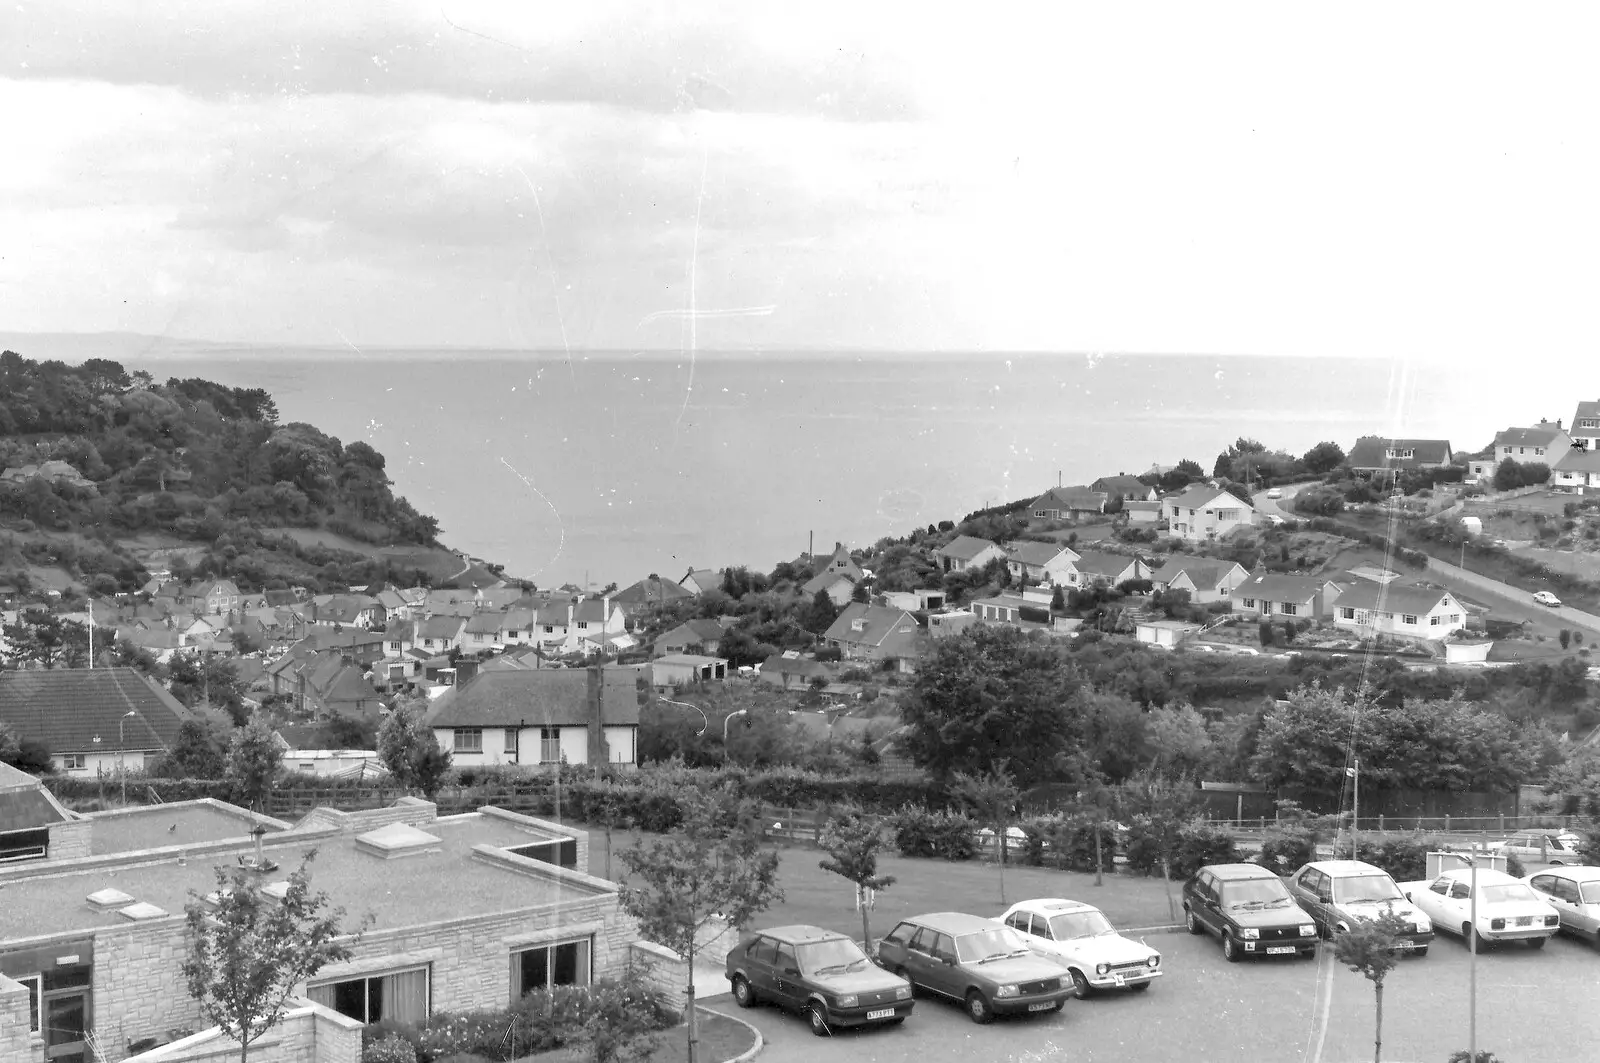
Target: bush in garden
1404	858
939	835
392	1049
1288	847
1199	845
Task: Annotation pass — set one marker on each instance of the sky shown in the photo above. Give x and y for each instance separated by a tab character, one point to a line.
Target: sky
1411	181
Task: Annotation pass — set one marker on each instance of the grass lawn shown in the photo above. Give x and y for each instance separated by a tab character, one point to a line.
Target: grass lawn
818	898
721	1039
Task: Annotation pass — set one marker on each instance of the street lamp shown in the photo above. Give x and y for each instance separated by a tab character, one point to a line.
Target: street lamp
726	722
704	721
122	752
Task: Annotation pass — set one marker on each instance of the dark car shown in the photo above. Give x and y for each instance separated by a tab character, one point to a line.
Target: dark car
820	973
982	963
1250	909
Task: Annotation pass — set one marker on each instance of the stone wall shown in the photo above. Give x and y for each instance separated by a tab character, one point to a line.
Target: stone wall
308	1033
138	988
413	811
550	827
17	1041
70	841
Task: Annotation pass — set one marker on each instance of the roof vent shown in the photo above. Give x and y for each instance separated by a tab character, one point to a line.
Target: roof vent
107	899
397	840
142	911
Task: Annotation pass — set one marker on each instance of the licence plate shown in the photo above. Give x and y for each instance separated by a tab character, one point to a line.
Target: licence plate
1121	981
1280	950
881	1013
1405	944
1041	1007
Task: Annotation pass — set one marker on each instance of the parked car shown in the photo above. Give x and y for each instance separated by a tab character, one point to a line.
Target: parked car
1574	892
820	973
1337	893
1275	493
1274	520
1546	598
1250	909
1557	847
1508	910
982	963
1081	938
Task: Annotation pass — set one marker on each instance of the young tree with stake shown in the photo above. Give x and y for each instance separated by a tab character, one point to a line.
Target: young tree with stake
852	841
993	796
1368	948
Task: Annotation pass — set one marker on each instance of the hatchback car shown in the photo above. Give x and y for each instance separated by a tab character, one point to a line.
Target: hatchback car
1080	937
1250	909
1546	598
820	973
1574	892
982	963
1542	847
1339	892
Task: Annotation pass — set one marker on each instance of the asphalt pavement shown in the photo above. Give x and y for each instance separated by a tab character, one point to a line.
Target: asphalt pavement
1530	1005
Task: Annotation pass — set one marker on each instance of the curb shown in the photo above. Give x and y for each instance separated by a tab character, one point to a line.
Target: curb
1165	928
749	1053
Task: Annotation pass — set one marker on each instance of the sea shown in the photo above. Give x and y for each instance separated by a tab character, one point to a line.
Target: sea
593	468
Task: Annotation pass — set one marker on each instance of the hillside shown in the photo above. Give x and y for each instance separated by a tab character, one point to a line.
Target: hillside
106	474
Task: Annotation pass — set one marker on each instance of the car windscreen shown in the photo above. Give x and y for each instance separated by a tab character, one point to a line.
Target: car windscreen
1507	892
1071	925
1590	892
988	945
1358	889
821	957
1255	893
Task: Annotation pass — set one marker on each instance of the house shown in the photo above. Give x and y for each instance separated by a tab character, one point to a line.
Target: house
1166	634
967	552
911	601
1480	468
699	581
1405	611
552	625
840	587
335	685
211	596
943	625
1142	512
1096	568
1577	470
686	669
349	765
706	634
398	637
790	671
1586	425
394	604
1374	454
441	634
1068	503
1202	512
498	599
647	594
877	633
517	624
92	948
1207	579
1270	594
482	633
542	716
1040	562
94	721
1542	444
348	610
1127	488
597	619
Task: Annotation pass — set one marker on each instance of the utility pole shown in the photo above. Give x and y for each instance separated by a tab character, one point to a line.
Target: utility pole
1355	813
1472	965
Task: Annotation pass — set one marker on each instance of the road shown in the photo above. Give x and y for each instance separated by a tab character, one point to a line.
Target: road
1531	1005
1274	507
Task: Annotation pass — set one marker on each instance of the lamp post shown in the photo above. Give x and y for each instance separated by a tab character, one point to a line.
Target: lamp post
726	721
1355	805
1472	962
704	720
122	752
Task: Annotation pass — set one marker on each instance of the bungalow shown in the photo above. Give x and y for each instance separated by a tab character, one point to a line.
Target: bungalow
686	669
649	593
1374	454
97	721
1202	512
1542	444
1127	488
482	633
1040	562
701	580
790	671
877	633
1577	470
1142	512
1586	425
1068	503
1207	579
1405	611
542	717
1096	568
441	634
517	625
1272	594
704	633
967	552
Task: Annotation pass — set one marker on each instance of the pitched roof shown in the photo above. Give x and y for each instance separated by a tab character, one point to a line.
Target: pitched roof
1578	460
965	547
1199	496
1100	563
539	696
554	615
883	627
1394	598
1204	572
1369	452
486	623
441	627
825	580
593	611
1121	485
519	618
1589	410
793	666
65	708
1141	506
1075	497
691	631
650	592
276	598
1277	587
704	578
1032	553
1527	437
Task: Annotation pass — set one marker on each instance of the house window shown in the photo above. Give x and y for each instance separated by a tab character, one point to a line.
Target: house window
544	966
583	625
548	630
468	740
511	634
1408	618
1455	618
427	642
511	740
395	646
1227	514
549	745
1348	613
400	997
1288	609
32	981
1433	621
72	762
1538	450
1249	603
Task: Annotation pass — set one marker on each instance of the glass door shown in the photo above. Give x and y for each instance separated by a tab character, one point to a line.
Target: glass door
66	1026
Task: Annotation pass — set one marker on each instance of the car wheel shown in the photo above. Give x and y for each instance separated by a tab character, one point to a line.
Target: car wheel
1421	951
1191	922
1230	948
818	1020
1080	984
1140	987
743	995
1537	943
978	1009
1472	939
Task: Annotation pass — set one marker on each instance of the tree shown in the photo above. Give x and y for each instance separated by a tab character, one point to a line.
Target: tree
411	753
1178	741
24	754
1160	807
1566	637
253	761
822	613
1323	458
1367	947
197	753
993	796
1058	600
247	951
40	639
710	864
852	841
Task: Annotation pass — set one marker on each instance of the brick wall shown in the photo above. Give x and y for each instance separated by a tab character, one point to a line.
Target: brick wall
307	1034
410	810
16	1040
69	841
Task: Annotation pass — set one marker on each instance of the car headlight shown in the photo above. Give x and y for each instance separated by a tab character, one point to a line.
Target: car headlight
849	1000
1006	991
1102	968
1423	926
1155	961
1552	920
1308	930
903	993
1249	933
1497	924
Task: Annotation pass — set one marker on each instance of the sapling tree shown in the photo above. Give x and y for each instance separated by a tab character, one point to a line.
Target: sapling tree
993	796
710	865
1367	947
253	761
246	951
410	751
852	841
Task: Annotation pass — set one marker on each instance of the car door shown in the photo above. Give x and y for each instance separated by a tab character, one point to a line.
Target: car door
1458	902
788	988
892	950
1308	888
1435	903
1210	894
758	967
942	970
919	958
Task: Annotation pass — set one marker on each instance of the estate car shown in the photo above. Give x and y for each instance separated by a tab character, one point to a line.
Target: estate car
1250	909
982	963
1339	892
1554	847
1081	938
820	973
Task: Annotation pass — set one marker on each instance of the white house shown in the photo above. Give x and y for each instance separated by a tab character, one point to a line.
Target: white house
1207	579
1577	471
967	551
541	717
1203	512
1096	568
1586	425
1410	612
1541	444
1040	562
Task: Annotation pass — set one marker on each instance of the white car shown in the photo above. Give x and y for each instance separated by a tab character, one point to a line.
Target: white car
1275	493
1080	938
1541	847
1546	598
1507	909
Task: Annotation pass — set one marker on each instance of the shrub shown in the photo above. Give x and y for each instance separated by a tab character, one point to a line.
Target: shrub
1404	858
392	1049
1197	845
940	835
1288	847
1066	841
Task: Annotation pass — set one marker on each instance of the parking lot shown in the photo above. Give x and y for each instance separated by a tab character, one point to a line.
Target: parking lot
1531	1005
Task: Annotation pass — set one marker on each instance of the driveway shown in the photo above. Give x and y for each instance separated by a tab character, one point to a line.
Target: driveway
1274	507
1205	1008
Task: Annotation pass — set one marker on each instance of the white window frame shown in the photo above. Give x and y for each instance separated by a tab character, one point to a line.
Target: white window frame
1349	612
549	738
1433	621
74	761
1288	608
1409	619
512	740
1248	603
427	982
459	743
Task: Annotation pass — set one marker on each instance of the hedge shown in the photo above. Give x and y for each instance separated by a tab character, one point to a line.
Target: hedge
1197	845
939	835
